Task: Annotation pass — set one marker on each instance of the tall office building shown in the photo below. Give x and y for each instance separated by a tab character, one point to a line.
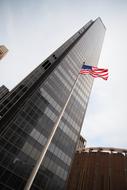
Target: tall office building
99	168
29	111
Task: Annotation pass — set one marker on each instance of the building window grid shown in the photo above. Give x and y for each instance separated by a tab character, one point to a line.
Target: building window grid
81	84
81	95
63	80
30	151
50	102
62	136
52	166
69	124
4	149
50	114
69	78
53	148
27	116
71	65
10	133
57	84
79	99
68	117
73	113
68	131
23	124
40	107
63	139
16	141
29	82
75	106
55	105
61	85
78	113
66	65
71	71
11	155
74	55
60	97
33	77
11	176
71	121
77	120
62	89
26	124
59	157
53	78
69	57
77	95
34	109
6	107
77	51
81	106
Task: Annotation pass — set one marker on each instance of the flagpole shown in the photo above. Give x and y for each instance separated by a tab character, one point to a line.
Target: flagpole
44	150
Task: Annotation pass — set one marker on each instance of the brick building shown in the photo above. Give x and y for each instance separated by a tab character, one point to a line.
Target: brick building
99	169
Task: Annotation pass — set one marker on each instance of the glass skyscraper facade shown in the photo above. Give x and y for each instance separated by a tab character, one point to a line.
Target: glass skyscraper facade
29	111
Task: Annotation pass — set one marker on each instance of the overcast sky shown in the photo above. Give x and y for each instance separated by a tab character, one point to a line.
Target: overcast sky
33	29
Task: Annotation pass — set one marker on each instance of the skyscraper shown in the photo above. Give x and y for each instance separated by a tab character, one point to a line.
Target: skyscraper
29	111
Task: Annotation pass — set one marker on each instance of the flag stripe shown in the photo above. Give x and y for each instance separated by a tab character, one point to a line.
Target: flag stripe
94	71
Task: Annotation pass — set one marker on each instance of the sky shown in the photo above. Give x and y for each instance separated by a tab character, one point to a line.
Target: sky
33	29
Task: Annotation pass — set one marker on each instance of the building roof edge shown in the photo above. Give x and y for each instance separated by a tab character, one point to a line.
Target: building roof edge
99	18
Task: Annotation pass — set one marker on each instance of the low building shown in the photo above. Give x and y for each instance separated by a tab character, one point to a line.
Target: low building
3	51
99	169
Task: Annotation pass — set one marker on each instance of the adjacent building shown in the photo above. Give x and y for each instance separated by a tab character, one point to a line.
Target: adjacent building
3	51
81	142
3	91
99	169
29	111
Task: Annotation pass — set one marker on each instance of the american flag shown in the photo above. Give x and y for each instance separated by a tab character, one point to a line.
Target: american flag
94	71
